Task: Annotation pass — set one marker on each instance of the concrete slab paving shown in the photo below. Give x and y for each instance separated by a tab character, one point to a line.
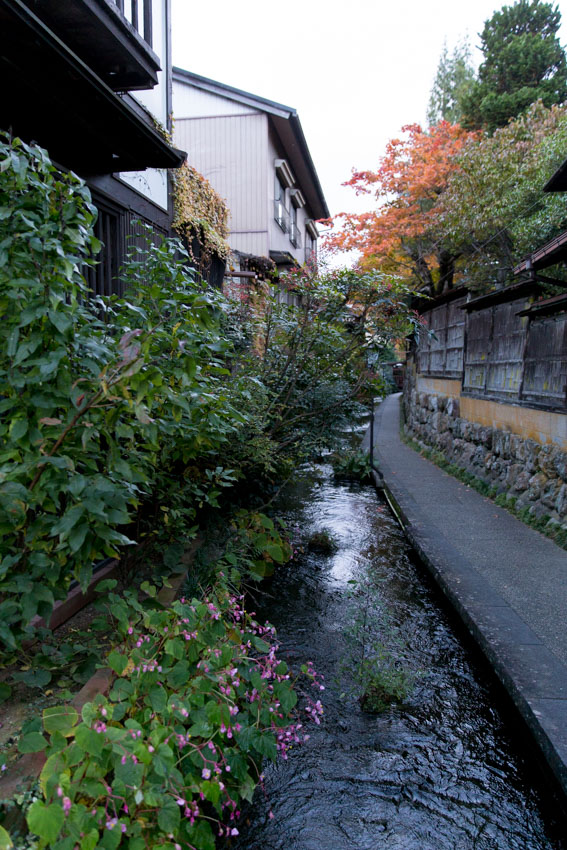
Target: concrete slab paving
507	581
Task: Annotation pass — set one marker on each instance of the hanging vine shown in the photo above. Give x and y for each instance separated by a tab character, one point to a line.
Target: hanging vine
200	213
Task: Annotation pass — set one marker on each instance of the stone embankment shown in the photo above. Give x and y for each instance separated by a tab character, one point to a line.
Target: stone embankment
534	476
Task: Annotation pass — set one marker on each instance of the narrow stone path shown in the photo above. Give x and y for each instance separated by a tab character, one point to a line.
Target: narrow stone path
507	581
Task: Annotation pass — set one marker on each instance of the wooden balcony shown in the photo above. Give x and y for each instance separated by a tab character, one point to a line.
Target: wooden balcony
52	96
113	40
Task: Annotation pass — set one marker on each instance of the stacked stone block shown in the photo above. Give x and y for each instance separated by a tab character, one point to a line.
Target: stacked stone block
534	475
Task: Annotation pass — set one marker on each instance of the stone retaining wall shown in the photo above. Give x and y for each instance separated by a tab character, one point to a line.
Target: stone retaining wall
535	475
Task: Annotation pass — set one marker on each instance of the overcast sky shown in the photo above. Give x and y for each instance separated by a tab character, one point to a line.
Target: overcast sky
355	71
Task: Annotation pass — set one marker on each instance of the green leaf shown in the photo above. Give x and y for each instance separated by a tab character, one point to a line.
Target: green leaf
77	537
90	840
247	788
201	836
275	552
129	773
178	674
33	742
110	838
174	647
35	678
117	661
158	699
106	585
266	522
12	346
60	320
18	429
45	821
211	791
169	817
52	767
60	718
68	520
88	740
5	840
5	693
266	745
260	644
286	695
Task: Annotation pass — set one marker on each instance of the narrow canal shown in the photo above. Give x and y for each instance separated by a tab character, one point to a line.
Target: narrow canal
439	770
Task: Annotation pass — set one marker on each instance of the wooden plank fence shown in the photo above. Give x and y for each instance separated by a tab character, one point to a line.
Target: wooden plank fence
499	351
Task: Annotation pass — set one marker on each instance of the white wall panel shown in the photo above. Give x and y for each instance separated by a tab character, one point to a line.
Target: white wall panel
231	152
191	102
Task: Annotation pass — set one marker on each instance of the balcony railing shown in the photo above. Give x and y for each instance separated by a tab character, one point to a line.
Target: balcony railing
281	215
295	236
113	37
139	13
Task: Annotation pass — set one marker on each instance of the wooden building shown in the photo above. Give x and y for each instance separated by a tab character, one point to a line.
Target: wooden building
254	153
90	81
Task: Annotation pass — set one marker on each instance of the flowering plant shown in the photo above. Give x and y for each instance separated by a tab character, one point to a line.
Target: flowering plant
199	699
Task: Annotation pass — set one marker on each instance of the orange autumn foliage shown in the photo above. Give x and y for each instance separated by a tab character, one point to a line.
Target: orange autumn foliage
400	235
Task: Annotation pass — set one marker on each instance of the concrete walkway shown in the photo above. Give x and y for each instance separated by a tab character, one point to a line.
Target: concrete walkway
507	581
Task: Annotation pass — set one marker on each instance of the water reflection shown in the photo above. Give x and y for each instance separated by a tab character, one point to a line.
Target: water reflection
438	773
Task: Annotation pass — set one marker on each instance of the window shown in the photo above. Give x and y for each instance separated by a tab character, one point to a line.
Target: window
279	193
294	236
102	278
311	234
280	211
310	247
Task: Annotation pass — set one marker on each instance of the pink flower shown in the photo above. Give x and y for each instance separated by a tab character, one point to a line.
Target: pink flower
206	773
66	805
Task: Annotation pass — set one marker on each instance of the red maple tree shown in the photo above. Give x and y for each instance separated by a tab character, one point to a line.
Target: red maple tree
402	234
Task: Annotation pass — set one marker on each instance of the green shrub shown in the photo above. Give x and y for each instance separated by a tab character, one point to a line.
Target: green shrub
352	466
322	542
199	700
112	409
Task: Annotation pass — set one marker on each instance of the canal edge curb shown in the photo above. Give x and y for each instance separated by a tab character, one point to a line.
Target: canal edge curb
538	717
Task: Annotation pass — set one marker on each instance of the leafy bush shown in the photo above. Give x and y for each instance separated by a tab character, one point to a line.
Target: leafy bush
112	409
306	376
352	466
375	661
323	542
124	419
199	699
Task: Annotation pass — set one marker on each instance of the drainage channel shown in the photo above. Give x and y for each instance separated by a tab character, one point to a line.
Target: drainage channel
443	766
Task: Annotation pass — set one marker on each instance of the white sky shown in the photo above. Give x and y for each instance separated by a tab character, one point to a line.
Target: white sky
355	71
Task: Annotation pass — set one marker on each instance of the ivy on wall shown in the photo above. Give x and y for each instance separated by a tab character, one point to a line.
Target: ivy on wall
200	212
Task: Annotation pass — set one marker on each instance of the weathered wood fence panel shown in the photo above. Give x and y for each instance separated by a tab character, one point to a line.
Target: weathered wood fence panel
498	353
441	354
545	362
504	373
478	348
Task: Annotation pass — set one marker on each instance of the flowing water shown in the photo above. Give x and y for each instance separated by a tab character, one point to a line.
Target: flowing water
441	770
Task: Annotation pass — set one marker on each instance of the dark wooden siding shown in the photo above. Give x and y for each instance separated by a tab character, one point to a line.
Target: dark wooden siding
441	352
499	354
545	362
504	370
479	339
121	232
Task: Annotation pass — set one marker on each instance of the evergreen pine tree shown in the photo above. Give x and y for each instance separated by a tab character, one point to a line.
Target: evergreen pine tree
523	62
453	81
